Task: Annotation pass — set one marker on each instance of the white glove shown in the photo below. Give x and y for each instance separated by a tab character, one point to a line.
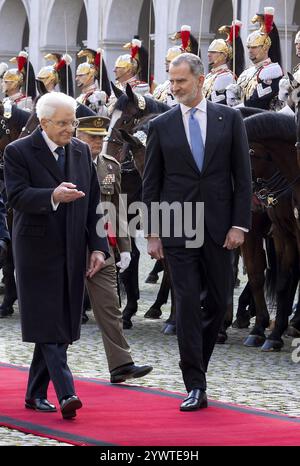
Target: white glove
233	95
98	97
125	261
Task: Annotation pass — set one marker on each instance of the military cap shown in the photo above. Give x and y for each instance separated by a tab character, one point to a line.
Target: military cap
94	125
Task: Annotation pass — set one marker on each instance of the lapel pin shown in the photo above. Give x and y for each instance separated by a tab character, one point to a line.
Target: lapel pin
220	118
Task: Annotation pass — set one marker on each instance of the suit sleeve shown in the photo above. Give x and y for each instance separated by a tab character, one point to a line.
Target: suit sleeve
4	234
152	182
21	196
97	240
241	174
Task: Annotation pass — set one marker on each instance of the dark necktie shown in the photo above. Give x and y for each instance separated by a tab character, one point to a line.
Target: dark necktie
196	139
61	161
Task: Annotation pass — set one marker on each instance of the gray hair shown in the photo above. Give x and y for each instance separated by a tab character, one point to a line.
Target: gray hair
194	62
50	102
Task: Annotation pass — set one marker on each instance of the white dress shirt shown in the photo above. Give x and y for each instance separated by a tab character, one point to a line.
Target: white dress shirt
201	116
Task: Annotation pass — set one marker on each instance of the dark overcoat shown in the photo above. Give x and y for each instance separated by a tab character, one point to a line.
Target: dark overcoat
50	246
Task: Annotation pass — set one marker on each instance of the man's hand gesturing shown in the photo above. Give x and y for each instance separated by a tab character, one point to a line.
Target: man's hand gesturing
65	193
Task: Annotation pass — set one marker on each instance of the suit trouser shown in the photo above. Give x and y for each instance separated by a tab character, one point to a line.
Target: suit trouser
102	289
192	270
50	363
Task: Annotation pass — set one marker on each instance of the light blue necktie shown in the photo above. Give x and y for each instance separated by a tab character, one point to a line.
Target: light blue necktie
196	139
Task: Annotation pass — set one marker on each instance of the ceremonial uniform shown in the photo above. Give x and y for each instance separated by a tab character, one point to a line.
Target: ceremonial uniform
19	83
164	94
94	99
220	54
260	84
20	100
215	84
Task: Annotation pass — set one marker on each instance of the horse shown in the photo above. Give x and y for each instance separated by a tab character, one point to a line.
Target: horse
12	120
277	186
259	280
128	111
137	143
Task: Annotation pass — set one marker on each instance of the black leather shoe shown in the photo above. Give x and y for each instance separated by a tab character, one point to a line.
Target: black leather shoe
196	399
69	406
40	404
131	371
6	311
127	324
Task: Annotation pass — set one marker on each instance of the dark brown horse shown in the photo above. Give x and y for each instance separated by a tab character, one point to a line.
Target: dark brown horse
272	138
128	111
12	121
137	143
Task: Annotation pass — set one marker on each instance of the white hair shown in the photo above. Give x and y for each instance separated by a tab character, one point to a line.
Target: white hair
50	102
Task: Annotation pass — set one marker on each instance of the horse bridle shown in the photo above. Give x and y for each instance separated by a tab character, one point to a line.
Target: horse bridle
4	131
114	140
269	191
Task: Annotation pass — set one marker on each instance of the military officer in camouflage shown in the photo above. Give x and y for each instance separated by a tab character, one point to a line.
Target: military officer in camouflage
102	288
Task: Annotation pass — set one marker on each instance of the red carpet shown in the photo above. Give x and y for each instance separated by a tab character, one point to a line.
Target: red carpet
132	416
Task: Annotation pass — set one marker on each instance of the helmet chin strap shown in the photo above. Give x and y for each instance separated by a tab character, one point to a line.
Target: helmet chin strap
122	75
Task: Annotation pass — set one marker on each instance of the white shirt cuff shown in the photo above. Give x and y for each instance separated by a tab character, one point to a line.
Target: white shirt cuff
245	230
54	206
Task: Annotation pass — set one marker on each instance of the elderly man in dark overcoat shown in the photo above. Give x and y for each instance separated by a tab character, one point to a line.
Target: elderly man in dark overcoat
53	188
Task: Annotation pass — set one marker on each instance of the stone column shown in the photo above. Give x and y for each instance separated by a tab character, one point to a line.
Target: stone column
34	35
94	12
161	39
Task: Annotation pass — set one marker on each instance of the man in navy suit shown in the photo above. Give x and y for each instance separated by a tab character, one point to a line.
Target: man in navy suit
52	186
197	153
4	234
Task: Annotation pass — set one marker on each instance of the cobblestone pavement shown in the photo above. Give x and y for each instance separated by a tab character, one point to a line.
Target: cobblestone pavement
236	374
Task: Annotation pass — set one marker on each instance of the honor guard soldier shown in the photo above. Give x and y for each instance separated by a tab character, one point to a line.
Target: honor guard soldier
259	84
131	68
163	92
88	76
17	85
102	288
220	55
57	76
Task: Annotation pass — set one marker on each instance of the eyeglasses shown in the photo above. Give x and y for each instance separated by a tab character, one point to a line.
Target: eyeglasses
63	124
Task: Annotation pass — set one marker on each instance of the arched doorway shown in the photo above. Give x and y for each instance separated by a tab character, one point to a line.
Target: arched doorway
13	15
66	29
127	21
222	14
